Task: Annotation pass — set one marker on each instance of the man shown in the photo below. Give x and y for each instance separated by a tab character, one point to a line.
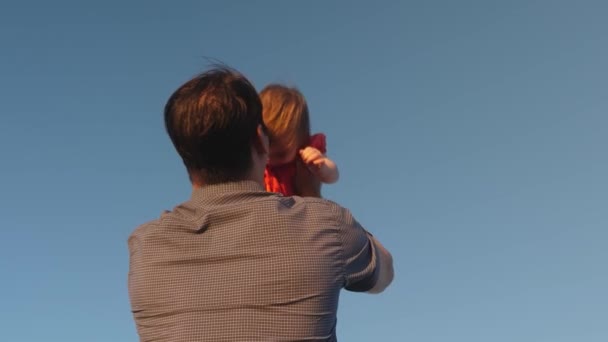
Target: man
236	263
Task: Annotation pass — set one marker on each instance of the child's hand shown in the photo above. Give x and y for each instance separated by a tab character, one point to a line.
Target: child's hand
320	166
312	157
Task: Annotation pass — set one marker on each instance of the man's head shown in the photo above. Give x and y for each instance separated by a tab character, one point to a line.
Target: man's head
215	123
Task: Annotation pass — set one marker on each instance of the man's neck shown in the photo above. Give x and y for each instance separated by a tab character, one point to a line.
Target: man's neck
254	178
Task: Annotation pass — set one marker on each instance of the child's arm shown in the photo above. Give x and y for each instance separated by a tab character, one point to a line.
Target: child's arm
328	171
324	168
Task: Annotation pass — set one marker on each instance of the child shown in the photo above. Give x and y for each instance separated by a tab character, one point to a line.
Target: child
285	115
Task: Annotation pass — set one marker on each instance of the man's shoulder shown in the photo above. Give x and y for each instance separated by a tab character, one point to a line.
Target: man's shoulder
323	208
140	232
150	225
151	228
183	217
316	202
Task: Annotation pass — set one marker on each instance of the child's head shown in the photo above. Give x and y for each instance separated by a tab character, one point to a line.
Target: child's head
285	115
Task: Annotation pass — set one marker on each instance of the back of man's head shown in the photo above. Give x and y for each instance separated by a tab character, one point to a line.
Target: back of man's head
212	120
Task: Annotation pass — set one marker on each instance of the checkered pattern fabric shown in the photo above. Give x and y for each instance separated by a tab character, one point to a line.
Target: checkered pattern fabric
237	263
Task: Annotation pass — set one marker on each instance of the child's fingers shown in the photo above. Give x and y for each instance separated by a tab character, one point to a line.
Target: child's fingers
310	150
313	152
304	153
313	159
307	155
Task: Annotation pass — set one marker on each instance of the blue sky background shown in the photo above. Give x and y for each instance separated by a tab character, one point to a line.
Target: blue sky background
471	137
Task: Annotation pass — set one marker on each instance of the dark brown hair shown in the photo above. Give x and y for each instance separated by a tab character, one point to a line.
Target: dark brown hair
212	120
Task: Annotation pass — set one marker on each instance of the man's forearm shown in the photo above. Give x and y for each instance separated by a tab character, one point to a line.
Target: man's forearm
385	264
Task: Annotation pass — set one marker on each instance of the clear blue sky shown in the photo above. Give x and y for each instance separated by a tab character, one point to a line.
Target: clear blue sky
471	136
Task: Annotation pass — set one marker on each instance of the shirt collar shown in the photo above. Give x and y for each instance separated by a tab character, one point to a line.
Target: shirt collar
226	191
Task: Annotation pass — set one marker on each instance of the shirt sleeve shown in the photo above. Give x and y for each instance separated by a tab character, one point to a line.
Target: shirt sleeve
361	268
319	141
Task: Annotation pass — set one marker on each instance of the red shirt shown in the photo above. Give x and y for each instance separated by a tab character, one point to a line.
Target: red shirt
281	178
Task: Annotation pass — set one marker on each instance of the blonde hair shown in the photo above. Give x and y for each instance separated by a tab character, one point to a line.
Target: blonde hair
285	114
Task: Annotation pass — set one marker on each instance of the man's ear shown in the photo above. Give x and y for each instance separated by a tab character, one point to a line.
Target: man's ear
261	143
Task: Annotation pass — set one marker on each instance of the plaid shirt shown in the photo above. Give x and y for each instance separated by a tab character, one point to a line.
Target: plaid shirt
237	263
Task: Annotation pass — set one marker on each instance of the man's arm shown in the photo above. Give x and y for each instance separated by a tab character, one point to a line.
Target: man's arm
386	272
368	266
